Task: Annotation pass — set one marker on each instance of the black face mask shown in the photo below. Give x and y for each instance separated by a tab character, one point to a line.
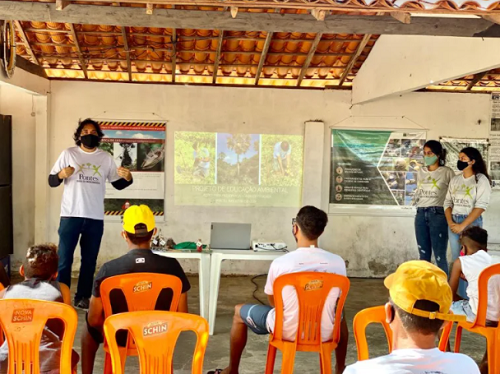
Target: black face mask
461	165
90	141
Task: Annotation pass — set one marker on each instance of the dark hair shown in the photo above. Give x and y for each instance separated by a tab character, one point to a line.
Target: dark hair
41	262
80	127
285	145
478	235
479	167
312	221
438	150
141	236
417	324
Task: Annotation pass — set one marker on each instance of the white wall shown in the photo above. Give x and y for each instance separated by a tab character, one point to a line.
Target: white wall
372	245
18	103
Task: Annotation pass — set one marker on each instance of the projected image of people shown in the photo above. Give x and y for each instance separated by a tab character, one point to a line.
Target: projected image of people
238	158
201	163
281	160
194	157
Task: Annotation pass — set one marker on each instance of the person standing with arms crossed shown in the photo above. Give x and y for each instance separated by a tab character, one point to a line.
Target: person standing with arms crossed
431	228
84	170
467	198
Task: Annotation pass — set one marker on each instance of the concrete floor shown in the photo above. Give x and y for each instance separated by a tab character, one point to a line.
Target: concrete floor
236	290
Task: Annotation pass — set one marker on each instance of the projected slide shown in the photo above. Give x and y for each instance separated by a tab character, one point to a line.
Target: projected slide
223	169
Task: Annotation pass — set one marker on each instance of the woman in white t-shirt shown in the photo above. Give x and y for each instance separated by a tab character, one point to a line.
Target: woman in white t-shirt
467	198
431	228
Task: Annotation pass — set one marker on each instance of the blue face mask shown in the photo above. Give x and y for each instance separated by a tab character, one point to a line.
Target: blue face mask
430	160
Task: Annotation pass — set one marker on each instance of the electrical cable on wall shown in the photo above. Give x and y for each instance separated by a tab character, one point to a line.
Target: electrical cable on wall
257	288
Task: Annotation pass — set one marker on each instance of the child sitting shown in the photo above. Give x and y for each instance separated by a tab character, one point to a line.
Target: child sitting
39	270
469	266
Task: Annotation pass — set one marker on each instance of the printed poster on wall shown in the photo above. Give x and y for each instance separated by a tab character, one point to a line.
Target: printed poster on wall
235	169
494	151
139	147
375	168
453	147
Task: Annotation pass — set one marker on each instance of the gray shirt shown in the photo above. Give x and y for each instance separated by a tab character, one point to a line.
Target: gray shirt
432	186
465	194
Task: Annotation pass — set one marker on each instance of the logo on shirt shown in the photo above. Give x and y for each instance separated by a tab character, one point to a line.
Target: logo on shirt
140	260
154	328
22	315
87	173
314	285
142	286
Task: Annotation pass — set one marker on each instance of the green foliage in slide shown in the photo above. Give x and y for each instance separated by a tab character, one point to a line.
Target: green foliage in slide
186	169
107	147
246	169
271	173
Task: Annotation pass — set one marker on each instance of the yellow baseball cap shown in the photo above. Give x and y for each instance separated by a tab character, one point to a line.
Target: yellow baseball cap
421	280
138	214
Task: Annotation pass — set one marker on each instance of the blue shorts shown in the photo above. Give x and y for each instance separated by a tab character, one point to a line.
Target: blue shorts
255	317
462	308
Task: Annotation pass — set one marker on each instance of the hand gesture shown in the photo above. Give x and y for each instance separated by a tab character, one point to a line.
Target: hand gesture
125	173
66	172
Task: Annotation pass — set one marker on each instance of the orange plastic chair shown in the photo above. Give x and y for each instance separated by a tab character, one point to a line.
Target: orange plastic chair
141	291
376	314
155	334
312	290
23	321
492	334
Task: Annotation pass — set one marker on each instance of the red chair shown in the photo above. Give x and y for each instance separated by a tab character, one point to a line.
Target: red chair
492	334
312	290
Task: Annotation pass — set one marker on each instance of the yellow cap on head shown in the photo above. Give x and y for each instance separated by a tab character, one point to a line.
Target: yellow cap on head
421	280
138	214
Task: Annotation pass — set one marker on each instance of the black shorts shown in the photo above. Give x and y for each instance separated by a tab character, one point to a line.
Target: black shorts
121	336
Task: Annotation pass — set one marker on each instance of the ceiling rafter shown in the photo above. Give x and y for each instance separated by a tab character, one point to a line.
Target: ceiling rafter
220	42
78	50
308	60
354	59
263	57
174	54
26	42
127	52
475	80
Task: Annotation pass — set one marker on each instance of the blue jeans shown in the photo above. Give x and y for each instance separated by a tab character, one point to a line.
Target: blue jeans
456	247
89	232
431	230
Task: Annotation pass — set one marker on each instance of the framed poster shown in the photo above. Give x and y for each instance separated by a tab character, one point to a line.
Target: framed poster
374	170
139	147
453	147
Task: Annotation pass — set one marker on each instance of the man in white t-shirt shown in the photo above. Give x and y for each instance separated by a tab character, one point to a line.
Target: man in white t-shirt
307	228
420	300
84	170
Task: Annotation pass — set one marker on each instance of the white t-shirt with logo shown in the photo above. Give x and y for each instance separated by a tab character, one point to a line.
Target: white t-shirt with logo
84	191
472	266
416	361
465	194
433	186
301	260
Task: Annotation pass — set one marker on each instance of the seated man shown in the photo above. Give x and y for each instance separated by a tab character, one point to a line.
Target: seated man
419	303
138	230
39	270
473	261
307	228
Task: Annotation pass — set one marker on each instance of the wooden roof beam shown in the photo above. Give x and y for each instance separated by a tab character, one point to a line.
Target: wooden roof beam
309	58
79	50
354	58
220	42
263	57
174	54
475	80
247	21
127	51
26	42
61	4
402	17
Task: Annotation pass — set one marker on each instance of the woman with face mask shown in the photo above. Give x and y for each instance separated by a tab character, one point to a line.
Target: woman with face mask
84	170
431	228
467	198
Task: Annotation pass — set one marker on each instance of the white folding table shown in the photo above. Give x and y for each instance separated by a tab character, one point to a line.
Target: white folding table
219	255
203	273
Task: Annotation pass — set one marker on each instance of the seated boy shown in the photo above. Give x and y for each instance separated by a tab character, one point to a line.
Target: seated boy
138	230
307	228
474	260
39	270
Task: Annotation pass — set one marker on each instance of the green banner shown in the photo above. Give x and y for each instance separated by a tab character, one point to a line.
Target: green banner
374	167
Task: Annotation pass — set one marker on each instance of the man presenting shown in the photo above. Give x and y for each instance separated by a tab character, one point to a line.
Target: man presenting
84	170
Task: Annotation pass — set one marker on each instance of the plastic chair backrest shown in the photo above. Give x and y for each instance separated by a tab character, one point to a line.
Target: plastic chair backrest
23	322
312	290
155	334
362	319
482	305
141	290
